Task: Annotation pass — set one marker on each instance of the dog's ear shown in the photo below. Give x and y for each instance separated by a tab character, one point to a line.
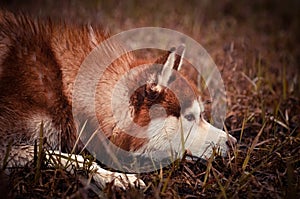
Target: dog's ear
171	61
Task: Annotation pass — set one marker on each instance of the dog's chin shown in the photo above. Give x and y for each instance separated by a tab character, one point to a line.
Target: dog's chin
209	152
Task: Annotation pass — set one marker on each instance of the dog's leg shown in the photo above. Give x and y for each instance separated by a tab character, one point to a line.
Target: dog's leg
100	175
19	156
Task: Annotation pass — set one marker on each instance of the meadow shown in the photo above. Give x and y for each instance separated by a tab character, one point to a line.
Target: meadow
255	45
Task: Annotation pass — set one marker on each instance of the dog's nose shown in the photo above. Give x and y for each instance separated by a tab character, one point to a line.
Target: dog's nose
231	141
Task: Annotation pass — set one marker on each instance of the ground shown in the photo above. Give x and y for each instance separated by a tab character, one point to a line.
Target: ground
255	45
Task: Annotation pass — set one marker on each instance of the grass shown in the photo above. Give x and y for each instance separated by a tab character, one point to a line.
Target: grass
259	63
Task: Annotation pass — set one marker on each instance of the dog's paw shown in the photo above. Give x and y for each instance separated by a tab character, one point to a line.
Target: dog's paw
124	181
121	180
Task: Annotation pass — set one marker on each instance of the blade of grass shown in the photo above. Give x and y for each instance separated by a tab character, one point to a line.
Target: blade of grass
250	150
78	138
40	152
234	149
243	126
164	188
223	192
209	166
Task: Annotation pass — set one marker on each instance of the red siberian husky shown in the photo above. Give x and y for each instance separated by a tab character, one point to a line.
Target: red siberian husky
38	67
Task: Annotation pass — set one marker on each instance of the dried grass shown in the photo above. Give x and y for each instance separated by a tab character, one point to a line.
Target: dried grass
259	63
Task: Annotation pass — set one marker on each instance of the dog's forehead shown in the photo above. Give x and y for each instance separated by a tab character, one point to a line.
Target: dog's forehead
200	103
187	94
195	108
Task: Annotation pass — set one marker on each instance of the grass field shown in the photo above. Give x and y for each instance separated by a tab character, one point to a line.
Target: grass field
256	48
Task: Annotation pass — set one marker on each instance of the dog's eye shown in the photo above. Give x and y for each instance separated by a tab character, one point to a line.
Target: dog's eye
190	117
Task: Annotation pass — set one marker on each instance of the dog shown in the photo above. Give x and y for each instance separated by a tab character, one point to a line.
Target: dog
39	64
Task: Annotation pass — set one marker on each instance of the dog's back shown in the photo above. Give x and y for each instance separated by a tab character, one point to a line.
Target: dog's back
38	65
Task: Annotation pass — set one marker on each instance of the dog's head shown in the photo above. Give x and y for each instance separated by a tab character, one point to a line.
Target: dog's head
166	111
